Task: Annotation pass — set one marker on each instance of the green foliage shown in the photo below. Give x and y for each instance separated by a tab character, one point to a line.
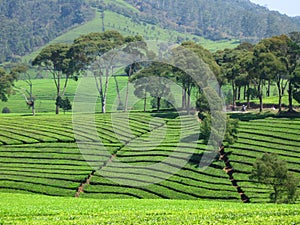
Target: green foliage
31	24
207	132
270	170
64	104
6	84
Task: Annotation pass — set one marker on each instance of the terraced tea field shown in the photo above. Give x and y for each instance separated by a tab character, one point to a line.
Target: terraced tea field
147	156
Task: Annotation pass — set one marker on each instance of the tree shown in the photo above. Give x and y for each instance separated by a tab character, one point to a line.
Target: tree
183	77
97	50
155	81
6	84
228	60
296	82
216	138
271	171
294	55
56	59
28	94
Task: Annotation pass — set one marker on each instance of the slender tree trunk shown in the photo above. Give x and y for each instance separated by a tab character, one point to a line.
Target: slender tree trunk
269	88
126	98
279	96
183	101
118	92
239	93
127	89
31	98
188	106
290	92
260	95
145	101
58	93
234	90
248	96
103	104
245	92
158	103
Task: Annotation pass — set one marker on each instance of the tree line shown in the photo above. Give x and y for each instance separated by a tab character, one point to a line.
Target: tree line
249	69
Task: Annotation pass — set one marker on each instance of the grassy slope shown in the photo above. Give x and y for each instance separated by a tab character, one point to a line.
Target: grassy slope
51	210
126	26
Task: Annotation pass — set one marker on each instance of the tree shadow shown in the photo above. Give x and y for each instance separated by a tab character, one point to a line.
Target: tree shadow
210	157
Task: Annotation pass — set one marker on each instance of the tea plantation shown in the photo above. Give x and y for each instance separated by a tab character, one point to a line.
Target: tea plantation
153	157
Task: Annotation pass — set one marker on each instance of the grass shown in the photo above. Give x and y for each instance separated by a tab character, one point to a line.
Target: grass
52	210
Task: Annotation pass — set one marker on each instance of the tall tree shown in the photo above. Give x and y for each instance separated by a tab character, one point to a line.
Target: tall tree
22	69
294	58
55	59
156	81
184	77
97	50
218	139
228	59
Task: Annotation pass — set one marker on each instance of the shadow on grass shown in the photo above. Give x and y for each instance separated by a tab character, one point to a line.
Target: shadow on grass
256	116
213	156
165	115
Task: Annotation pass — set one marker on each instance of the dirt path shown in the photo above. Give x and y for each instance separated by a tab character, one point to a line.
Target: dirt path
90	176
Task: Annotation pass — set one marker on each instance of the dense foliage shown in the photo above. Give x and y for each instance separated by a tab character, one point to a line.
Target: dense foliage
26	25
272	171
216	19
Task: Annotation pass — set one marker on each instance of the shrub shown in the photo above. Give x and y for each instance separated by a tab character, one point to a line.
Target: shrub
5	110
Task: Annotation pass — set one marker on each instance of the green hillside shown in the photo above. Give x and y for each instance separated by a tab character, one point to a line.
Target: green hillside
39	155
128	26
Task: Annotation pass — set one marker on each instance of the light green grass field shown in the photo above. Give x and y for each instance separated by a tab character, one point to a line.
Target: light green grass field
36	209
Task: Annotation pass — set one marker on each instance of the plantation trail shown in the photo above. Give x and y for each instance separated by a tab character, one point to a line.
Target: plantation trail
90	176
229	171
82	185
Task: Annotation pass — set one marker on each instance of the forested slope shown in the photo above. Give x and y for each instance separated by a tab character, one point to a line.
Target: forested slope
26	25
217	19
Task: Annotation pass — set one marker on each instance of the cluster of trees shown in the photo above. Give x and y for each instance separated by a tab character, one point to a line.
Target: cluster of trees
67	61
249	69
27	25
216	19
273	60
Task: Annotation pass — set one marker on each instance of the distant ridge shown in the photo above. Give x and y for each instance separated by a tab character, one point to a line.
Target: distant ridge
217	19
